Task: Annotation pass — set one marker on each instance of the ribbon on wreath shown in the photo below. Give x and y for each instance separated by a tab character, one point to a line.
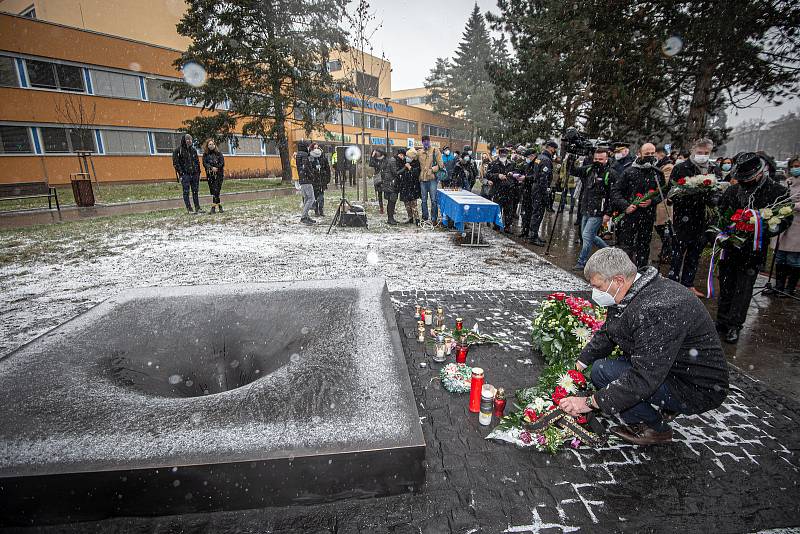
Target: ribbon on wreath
758	230
569	425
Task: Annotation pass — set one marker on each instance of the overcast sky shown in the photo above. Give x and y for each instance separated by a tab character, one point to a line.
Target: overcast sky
416	32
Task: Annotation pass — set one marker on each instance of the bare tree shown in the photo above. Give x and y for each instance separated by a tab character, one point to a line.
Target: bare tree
79	113
362	68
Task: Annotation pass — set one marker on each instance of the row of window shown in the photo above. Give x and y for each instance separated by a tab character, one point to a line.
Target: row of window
18	72
55	140
415	100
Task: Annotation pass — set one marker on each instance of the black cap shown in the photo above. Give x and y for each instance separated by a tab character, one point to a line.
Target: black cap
619	144
503	150
551	143
530	152
401	150
380	151
467	148
746	165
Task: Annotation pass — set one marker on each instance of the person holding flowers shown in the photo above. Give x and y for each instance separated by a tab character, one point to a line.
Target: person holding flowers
690	212
743	208
672	360
635	195
787	255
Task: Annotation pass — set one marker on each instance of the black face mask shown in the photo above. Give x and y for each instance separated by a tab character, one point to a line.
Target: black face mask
644	160
749	184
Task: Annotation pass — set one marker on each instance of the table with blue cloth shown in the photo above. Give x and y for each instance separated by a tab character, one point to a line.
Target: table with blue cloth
463	206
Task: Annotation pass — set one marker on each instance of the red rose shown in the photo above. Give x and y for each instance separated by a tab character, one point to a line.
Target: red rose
558	296
707	182
559	394
639	195
552	407
581	420
577	377
530	414
681	181
652	192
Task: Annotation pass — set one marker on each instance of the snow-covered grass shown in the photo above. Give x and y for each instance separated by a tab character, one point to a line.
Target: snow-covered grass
51	273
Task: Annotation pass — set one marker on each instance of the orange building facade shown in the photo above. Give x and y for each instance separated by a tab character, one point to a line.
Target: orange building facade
64	89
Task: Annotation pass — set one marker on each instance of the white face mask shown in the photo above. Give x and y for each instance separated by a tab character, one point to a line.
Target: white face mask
700	159
678	161
446	152
316	152
503	159
618	155
604	298
466	158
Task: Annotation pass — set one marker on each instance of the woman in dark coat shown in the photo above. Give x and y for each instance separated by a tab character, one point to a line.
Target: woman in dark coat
214	163
409	186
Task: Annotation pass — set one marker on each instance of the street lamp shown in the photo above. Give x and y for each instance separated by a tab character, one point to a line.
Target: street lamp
386	100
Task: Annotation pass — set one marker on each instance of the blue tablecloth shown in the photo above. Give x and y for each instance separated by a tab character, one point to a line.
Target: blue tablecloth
465	206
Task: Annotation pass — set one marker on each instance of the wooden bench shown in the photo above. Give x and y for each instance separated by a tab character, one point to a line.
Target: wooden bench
30	190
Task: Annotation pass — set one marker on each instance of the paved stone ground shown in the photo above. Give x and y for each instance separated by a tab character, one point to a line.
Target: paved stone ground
732	470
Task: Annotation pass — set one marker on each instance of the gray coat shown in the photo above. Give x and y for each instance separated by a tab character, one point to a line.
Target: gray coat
669	337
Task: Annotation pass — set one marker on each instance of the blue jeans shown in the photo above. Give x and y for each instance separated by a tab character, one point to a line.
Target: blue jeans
606	371
589	228
429	189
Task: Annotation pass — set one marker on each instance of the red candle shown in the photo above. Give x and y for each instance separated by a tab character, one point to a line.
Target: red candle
500	403
461	353
475	390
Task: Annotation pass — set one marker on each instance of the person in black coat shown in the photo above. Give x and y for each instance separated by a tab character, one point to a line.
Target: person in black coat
465	172
594	204
321	176
689	215
672	361
636	228
187	166
739	267
503	188
540	174
386	179
408	186
622	158
214	164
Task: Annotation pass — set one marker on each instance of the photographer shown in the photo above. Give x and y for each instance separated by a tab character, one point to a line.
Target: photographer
322	177
595	202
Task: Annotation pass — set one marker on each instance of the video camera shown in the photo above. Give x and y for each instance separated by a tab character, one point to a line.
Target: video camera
579	144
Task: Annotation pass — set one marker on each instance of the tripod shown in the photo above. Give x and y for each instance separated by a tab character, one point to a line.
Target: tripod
344	205
768	287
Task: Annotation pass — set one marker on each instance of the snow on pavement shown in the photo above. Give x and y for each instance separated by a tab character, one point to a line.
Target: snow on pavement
39	295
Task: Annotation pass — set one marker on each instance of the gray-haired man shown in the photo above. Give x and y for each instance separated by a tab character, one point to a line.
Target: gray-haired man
672	357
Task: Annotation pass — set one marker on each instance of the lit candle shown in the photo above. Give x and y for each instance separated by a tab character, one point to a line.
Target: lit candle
428	317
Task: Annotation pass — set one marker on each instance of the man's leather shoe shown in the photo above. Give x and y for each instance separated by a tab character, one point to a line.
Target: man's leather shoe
668	415
641	434
732	336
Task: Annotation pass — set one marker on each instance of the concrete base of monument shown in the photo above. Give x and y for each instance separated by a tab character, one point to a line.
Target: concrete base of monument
175	400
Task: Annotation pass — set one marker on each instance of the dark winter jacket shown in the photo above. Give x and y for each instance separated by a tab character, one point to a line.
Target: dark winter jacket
542	172
214	159
669	337
637	180
389	169
464	174
689	211
303	167
619	165
408	182
320	172
596	185
186	161
762	194
503	190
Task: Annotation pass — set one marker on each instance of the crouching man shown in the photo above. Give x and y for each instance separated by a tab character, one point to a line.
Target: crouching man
672	360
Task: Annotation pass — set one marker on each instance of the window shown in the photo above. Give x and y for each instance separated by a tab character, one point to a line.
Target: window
366	84
334	65
114	84
55	76
28	13
15	140
272	148
375	122
249	146
166	142
65	140
122	142
8	72
435	131
156	92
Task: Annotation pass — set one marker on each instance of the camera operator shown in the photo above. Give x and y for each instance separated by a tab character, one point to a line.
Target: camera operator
595	201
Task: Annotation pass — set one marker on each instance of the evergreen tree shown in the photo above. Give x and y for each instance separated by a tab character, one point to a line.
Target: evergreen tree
267	61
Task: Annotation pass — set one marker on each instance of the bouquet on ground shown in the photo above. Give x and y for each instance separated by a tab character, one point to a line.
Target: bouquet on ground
540	424
692	185
637	199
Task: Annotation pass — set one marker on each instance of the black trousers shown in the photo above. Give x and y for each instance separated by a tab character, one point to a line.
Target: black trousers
508	205
319	200
538	204
191	182
391	203
215	186
633	236
525	209
736	281
685	258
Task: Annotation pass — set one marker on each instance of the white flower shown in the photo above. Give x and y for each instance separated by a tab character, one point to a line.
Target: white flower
773	221
582	333
786	210
567	383
766	213
540	404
